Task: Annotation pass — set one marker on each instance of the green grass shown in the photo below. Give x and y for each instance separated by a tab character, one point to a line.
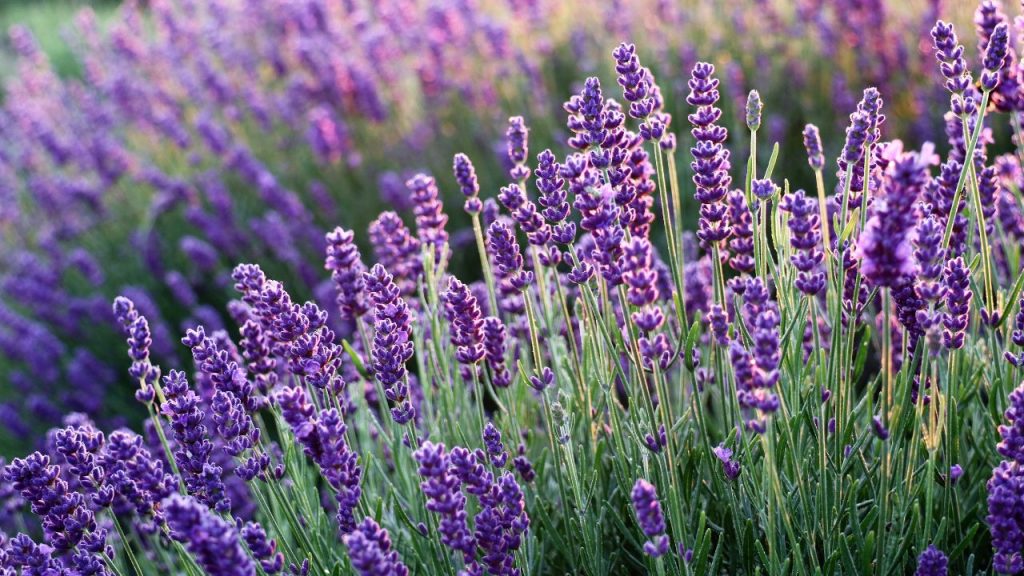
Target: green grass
49	21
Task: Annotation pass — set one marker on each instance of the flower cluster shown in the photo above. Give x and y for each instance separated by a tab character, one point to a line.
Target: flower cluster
392	341
710	157
649	517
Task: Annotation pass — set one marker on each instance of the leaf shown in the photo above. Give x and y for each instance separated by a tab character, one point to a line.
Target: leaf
691	341
356	361
1011	300
771	161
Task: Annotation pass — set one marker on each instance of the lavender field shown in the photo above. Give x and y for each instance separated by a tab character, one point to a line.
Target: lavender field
512	288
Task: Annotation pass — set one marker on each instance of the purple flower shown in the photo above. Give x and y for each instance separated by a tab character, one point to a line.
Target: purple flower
641	281
523	465
929	255
466	322
1006	516
369	549
805	238
1017	336
430	216
322	437
136	327
494	339
594	127
988	191
812	143
884	246
650	517
955	473
347	272
753	110
220	368
995	56
392	341
263	549
741	243
555	208
950	54
34	559
137	477
495	449
465	176
328	136
65	514
397	250
655	443
212	541
879	428
998	57
957	281
763	189
239	433
542	380
500	525
757	372
718	321
517	138
525	213
637	213
551	187
193	450
939	192
444	498
599	215
710	157
862	132
1011	445
931	562
634	81
507	259
730	467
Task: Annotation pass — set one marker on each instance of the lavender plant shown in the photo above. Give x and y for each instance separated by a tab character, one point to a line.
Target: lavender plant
199	134
815	382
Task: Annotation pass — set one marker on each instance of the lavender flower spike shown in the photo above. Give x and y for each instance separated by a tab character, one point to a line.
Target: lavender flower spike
885	246
805	238
710	157
507	258
430	216
369	549
650	517
950	54
812	143
995	56
444	498
136	328
958	303
495	335
517	142
634	81
466	322
931	562
347	272
212	541
465	176
263	549
754	107
1005	489
392	341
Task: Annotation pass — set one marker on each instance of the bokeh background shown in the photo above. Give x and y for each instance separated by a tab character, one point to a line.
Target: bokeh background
147	147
